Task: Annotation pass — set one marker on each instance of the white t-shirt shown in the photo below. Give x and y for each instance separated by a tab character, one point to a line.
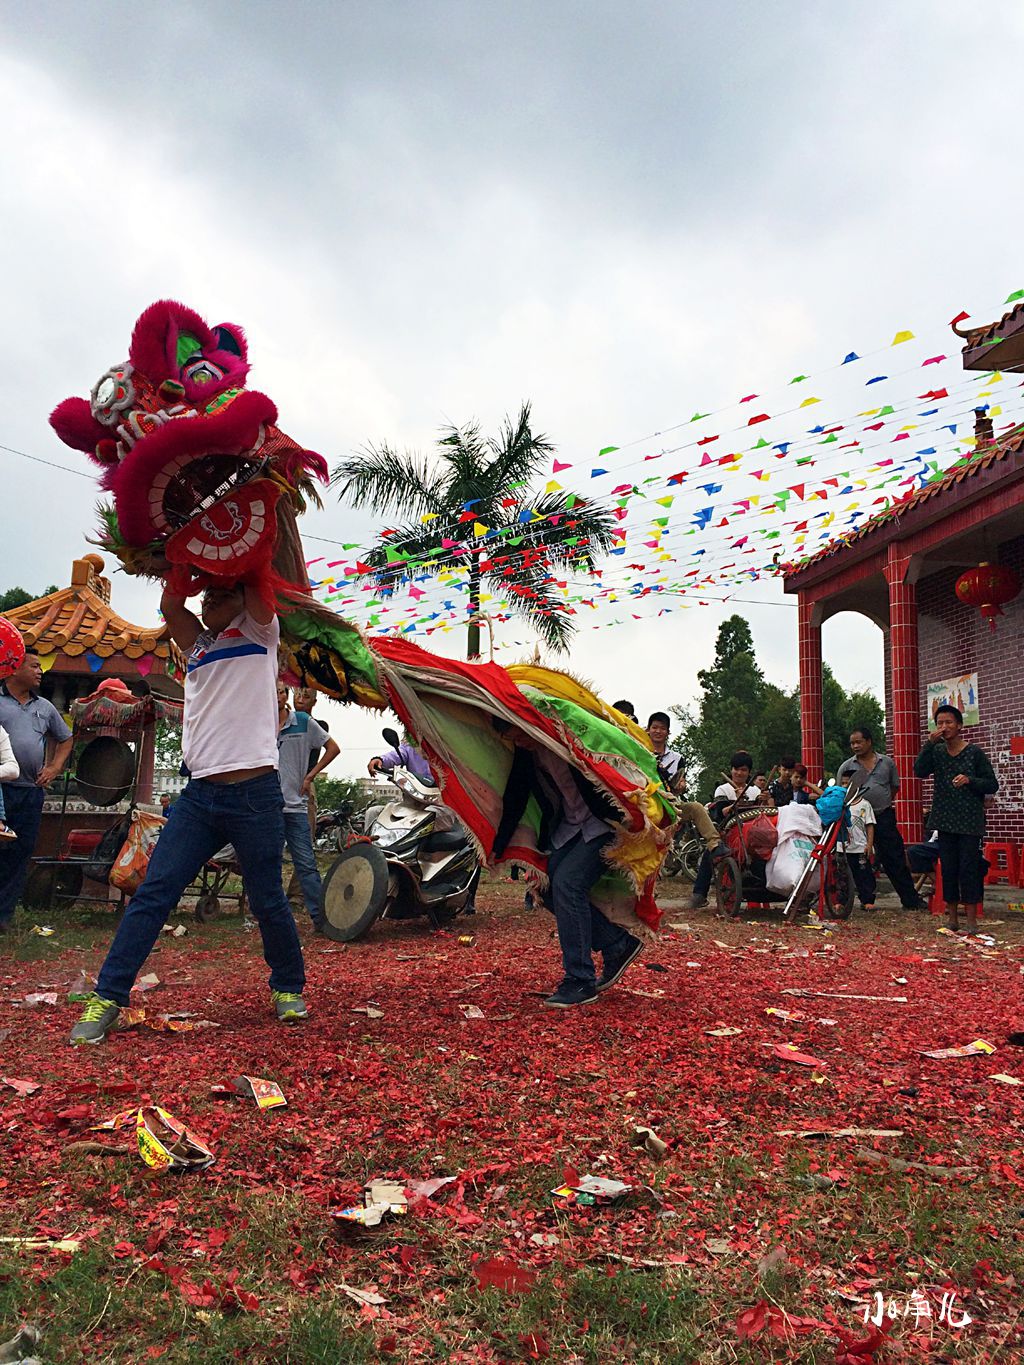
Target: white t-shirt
861	815
727	792
231	699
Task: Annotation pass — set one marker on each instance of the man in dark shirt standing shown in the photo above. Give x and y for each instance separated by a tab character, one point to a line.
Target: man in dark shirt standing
33	726
878	781
963	778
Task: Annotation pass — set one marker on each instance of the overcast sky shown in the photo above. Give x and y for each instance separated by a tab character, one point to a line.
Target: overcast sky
431	211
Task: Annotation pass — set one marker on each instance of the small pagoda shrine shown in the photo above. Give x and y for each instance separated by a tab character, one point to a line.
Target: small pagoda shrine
81	641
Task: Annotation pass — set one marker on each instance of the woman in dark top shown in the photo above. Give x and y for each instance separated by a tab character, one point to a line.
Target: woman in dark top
963	778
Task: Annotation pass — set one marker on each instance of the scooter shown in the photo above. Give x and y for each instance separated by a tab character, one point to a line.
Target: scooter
405	869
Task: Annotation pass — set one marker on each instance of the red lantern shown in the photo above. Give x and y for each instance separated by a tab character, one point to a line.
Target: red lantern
12	648
988	587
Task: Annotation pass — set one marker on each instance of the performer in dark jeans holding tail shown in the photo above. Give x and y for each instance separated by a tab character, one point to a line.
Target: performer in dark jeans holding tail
578	823
963	778
878	781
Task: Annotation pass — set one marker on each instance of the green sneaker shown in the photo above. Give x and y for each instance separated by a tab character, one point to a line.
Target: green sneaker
290	1008
98	1018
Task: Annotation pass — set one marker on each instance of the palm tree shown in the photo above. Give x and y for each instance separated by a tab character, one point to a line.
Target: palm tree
472	480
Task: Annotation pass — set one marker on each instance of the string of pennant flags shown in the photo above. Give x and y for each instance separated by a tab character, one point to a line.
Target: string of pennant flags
688	546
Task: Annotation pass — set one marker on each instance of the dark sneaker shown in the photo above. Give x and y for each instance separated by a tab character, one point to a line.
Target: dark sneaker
571	993
290	1008
97	1019
719	853
616	963
696	902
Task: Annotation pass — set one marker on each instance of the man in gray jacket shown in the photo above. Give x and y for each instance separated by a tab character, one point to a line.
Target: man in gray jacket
876	776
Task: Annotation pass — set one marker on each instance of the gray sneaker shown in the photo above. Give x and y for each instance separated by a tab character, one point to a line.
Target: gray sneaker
696	902
290	1008
98	1018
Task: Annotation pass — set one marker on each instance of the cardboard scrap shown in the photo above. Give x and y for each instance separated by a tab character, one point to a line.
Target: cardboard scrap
979	1048
723	1032
371	1011
266	1094
383	1197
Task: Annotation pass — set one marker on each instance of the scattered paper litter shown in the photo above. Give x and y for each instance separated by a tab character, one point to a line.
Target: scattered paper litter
840	1132
266	1094
979	1048
40	998
149	982
1006	1080
652	1144
592	1189
43	930
362	1296
22	1087
724	1032
472	1012
371	1011
42	1243
837	995
788	1053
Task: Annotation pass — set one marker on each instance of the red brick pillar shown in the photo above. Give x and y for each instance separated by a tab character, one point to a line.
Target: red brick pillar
904	723
812	723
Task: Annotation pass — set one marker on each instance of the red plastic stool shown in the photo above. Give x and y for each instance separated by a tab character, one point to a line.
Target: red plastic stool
937	905
1009	870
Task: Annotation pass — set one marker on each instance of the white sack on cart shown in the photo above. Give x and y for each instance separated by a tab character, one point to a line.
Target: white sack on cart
799	830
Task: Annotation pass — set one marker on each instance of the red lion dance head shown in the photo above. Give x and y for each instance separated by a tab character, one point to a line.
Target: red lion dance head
193	459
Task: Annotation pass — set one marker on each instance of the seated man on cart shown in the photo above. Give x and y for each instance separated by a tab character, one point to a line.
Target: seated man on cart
737	792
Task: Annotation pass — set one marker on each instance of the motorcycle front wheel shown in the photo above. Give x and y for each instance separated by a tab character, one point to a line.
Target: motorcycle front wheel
355	892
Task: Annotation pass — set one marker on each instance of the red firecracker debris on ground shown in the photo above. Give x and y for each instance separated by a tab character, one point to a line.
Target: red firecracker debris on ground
863	1204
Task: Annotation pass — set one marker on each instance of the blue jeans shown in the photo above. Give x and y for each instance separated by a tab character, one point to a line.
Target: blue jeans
582	928
208	815
24	814
300	846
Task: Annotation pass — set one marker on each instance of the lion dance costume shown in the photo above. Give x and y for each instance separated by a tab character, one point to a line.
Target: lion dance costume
205	488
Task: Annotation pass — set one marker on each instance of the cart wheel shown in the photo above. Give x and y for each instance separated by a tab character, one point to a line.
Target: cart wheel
207	907
839	889
728	888
355	892
689	857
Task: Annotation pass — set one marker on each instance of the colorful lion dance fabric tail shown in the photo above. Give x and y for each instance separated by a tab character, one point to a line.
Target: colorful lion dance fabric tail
205	488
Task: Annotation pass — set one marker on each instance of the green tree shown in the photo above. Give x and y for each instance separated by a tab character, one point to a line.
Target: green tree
17	597
844	712
735	707
332	792
473	480
741	709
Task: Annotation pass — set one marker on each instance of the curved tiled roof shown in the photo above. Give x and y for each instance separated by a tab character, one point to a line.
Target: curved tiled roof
79	620
994	331
985	457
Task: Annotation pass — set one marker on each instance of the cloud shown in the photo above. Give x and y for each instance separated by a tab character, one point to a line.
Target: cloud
424	213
